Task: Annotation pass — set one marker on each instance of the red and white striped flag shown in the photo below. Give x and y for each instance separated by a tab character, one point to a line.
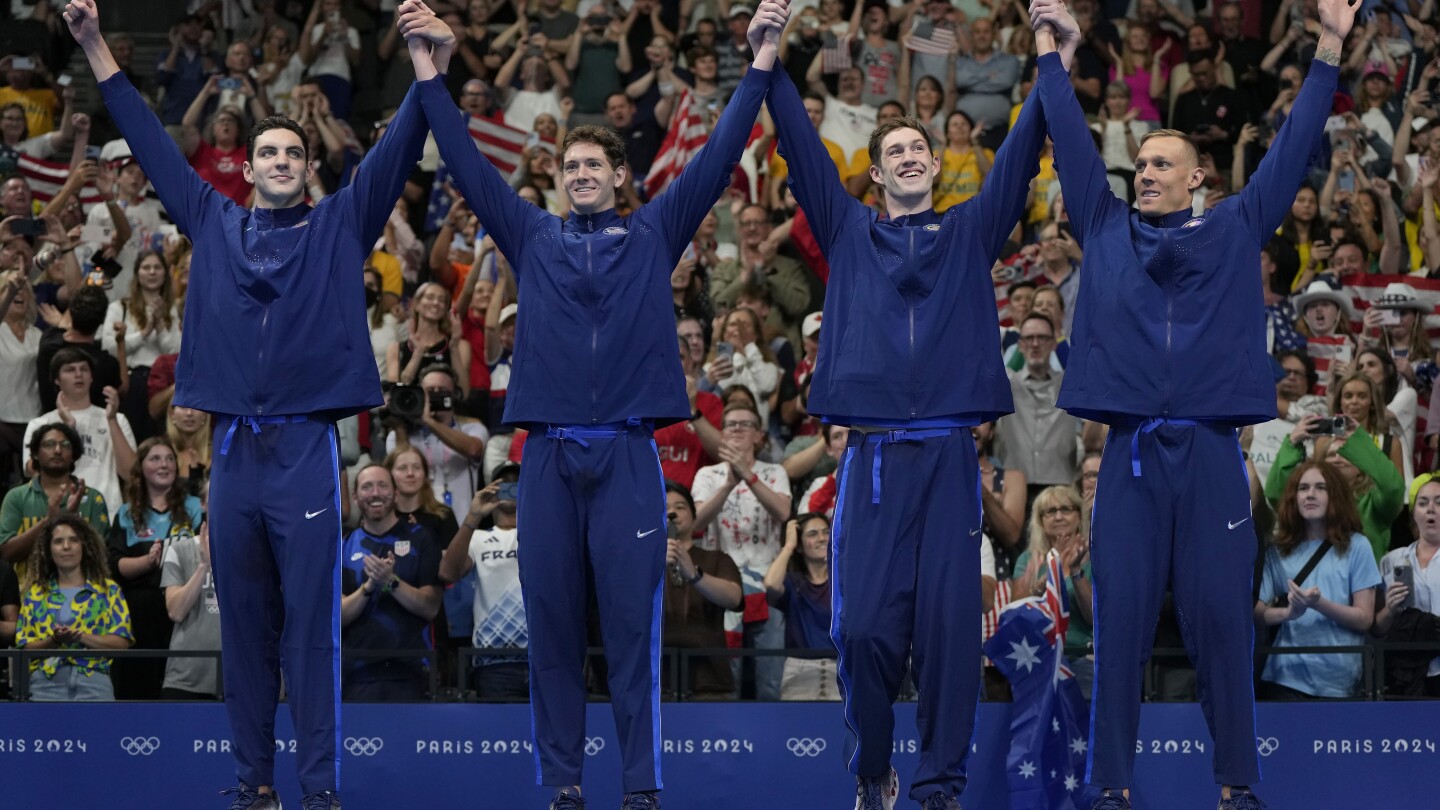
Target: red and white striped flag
501	144
46	177
835	54
1326	352
936	41
687	134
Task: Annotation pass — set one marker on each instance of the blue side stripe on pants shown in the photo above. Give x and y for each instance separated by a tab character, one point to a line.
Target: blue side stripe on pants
335	603
836	597
656	629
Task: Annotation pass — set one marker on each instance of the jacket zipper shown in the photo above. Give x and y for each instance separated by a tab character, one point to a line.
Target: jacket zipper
910	307
1169	332
594	323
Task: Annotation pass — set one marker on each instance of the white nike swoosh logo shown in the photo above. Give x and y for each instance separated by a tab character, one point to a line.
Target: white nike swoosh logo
974	532
1236	523
639	534
309	515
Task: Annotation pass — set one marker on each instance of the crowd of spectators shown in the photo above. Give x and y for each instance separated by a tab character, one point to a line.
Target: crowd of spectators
103	541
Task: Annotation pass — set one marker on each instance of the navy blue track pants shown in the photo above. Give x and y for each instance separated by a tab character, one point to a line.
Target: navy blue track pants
593	497
275	536
905	553
1173	508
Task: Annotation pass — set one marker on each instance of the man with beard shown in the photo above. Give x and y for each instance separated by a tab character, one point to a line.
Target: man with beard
392	592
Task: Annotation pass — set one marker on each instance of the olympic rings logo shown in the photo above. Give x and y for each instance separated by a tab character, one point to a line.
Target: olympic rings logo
594	745
805	746
140	746
364	746
1266	745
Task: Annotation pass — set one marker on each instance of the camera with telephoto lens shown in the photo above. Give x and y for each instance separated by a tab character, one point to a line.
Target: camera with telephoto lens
407	403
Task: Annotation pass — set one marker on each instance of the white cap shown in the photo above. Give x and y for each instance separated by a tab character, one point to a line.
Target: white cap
508	312
811	324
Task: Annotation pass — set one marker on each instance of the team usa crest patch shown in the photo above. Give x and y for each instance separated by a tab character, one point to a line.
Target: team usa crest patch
1194	223
402	548
932	227
614	230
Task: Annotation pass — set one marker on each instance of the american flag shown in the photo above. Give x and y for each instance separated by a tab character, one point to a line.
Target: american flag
835	54
1326	352
1049	740
936	41
46	177
687	134
501	144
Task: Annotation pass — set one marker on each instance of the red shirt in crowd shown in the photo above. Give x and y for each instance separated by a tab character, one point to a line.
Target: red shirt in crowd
221	169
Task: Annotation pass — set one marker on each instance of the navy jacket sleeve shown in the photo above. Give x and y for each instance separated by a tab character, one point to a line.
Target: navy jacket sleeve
1088	198
812	179
189	201
683	206
1268	193
1002	196
378	183
504	215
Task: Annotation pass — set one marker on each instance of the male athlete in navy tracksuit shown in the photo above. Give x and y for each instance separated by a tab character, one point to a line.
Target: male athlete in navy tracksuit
599	370
277	347
1169	350
910	361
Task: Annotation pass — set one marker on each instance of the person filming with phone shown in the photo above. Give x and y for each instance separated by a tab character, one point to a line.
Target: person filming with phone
1411	607
499	609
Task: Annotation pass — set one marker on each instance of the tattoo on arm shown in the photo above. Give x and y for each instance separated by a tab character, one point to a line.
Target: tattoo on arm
1328	55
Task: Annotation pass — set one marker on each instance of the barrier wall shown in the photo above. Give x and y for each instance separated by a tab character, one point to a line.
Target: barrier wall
716	756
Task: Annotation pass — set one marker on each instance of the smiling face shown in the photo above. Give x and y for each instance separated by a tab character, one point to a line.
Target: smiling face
1167	171
740	328
12	123
1312	496
958	130
159	468
150	274
278	169
815	539
907	167
375	492
431	302
589	178
852	84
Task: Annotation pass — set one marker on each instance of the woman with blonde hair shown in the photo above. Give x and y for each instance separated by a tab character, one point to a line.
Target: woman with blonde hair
188	431
1143	69
435	337
68	602
1056	523
1357	396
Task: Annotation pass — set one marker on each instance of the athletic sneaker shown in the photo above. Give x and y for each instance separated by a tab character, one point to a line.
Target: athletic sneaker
1111	800
940	801
565	800
1241	799
641	801
877	794
321	800
247	798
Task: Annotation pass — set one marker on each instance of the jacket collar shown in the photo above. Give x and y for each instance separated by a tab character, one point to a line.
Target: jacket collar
1172	220
269	219
593	223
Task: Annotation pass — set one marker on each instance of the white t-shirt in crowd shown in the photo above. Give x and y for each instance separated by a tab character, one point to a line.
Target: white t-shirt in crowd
140	349
499	609
330	56
848	125
19	389
744	529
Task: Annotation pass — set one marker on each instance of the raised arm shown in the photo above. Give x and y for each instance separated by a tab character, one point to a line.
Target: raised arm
1265	200
1003	192
1088	198
690	197
187	198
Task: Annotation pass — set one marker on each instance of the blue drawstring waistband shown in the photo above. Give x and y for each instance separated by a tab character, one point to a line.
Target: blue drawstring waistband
884	437
254	422
1150	426
611	430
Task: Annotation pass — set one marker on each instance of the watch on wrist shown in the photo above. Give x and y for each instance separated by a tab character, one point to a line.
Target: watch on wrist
698	575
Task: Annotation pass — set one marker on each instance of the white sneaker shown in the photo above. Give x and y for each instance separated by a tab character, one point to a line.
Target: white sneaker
877	794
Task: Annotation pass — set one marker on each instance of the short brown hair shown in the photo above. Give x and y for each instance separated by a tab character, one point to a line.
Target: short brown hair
604	137
1173	133
903	122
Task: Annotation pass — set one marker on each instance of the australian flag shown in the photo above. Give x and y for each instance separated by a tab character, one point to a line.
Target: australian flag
1048	724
